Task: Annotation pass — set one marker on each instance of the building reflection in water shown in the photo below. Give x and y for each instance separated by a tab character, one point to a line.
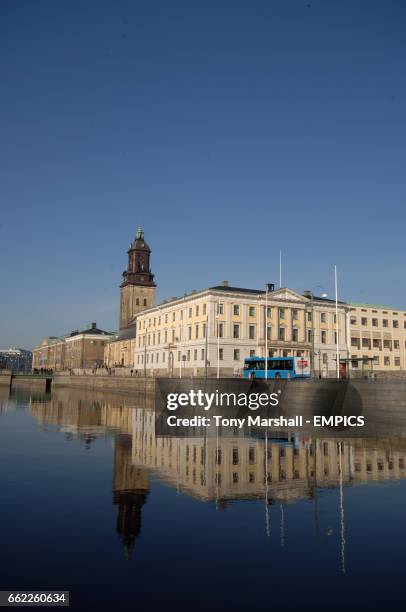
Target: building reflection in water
279	469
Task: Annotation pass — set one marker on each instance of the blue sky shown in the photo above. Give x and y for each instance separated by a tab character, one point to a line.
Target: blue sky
227	129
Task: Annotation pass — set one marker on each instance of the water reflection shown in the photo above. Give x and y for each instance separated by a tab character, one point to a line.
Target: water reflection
279	468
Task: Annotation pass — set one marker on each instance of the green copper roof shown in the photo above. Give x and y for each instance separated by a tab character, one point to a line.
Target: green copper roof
362	305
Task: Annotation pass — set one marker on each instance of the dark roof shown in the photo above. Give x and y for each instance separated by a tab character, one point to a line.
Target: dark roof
237	289
322	299
93	331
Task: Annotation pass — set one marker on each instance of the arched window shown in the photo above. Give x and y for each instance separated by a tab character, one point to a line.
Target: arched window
137	301
145	302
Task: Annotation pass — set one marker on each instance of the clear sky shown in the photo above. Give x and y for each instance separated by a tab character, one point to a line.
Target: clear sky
226	129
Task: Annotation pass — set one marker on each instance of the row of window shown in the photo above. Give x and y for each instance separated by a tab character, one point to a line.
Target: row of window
376	343
375	322
199	332
387	361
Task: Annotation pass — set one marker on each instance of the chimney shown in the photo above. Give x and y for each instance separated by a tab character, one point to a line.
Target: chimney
224	283
94	325
270	287
307	293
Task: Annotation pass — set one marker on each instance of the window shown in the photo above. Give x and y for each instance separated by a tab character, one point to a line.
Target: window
294	313
309	316
220	308
396	344
235	456
220	330
364	321
202	355
190	313
323	317
295	334
236	354
189	331
236	330
204	309
395	323
188	355
251	311
196	331
374	322
281	313
269	331
397	361
269	311
251	455
281	333
384	322
204	330
252	352
197	311
145	302
173	316
366	343
137	301
251	332
353	320
236	310
386	361
221	354
195	355
324	337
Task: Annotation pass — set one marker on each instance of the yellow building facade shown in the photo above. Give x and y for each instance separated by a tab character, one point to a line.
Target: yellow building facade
377	338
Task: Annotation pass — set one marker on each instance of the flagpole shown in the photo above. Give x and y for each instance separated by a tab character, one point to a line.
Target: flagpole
280	268
337	326
266	332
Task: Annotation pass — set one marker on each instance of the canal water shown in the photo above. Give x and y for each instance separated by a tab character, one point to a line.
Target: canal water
93	502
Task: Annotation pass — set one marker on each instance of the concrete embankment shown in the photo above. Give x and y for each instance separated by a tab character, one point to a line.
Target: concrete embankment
120	384
309	397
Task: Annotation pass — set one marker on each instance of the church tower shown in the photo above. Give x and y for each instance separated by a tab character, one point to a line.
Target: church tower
138	287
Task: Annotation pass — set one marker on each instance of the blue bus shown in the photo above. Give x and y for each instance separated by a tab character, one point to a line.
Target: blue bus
278	367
